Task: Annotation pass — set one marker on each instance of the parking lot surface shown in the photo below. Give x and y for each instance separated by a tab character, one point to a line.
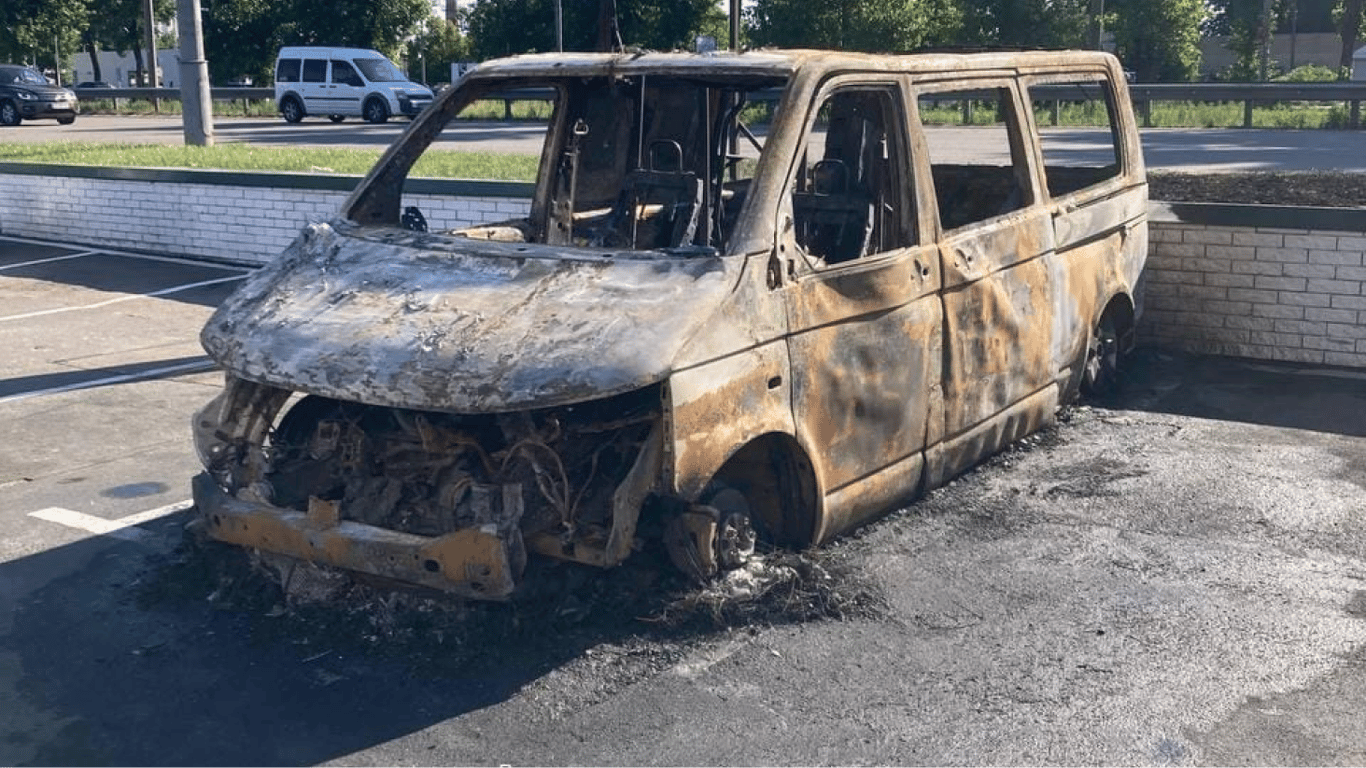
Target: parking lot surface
1173	577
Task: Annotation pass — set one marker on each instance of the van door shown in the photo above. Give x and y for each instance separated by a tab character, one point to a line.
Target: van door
996	253
1093	174
313	86
863	311
345	89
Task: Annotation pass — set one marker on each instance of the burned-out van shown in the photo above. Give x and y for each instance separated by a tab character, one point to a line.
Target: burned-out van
702	330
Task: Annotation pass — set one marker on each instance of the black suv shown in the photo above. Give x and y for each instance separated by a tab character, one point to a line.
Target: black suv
25	95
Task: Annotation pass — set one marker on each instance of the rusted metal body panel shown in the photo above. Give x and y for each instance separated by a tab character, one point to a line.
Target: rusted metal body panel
677	333
401	319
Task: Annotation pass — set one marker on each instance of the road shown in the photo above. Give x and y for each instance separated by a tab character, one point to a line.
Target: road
1194	150
1176	577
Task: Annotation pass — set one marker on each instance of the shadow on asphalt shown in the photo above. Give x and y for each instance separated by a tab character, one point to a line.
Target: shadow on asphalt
112	273
127	663
1307	397
83	378
130	657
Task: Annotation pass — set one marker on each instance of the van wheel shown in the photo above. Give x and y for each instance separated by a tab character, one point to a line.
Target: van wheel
713	537
291	110
376	111
9	114
1100	374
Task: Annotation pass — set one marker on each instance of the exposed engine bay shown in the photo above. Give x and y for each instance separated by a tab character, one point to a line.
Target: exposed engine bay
545	478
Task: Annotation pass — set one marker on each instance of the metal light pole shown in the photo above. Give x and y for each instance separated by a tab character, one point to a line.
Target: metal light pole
150	41
559	26
195	99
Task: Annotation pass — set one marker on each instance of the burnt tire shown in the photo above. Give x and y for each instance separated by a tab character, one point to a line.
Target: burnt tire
376	111
291	110
1100	371
735	536
9	113
716	535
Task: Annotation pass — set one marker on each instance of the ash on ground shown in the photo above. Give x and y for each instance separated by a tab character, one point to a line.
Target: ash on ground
564	611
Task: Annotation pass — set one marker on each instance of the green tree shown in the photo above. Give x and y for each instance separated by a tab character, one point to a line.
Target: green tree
508	27
436	49
1158	39
41	32
854	25
1248	25
379	24
116	25
1026	23
241	37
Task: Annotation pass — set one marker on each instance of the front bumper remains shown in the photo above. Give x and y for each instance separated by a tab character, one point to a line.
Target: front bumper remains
473	562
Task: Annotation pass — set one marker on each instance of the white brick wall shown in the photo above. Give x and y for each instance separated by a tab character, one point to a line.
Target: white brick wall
242	224
1270	293
1244	289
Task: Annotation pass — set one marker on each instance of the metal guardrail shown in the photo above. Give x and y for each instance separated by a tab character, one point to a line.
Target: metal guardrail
155	95
1352	93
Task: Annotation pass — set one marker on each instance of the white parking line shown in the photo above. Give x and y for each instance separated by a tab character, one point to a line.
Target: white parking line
130	255
124	528
121	299
36	262
199	366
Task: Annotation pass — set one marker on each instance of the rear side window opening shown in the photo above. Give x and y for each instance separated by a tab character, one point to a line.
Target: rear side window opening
287	71
976	152
1078	132
315	71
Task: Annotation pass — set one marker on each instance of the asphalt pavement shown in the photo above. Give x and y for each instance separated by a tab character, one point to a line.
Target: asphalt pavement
1173	577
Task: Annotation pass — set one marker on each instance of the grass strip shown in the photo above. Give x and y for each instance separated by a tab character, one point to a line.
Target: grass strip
436	163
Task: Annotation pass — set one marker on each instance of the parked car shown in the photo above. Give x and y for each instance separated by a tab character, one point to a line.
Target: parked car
342	83
25	94
699	334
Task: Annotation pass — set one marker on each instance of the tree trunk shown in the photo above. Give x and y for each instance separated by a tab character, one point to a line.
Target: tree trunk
94	50
609	36
1264	31
137	63
1351	23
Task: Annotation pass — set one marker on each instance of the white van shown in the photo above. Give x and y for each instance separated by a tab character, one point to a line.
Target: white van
342	83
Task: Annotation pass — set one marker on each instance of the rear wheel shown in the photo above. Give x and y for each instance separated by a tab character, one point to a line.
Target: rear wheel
291	110
1100	374
376	111
9	113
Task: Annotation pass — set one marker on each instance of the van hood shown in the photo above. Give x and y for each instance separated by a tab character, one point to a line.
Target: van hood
396	318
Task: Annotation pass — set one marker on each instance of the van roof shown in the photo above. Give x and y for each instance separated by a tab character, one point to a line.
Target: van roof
782	62
325	50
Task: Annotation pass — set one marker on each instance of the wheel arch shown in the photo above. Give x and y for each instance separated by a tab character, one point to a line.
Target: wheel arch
1120	310
779	481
